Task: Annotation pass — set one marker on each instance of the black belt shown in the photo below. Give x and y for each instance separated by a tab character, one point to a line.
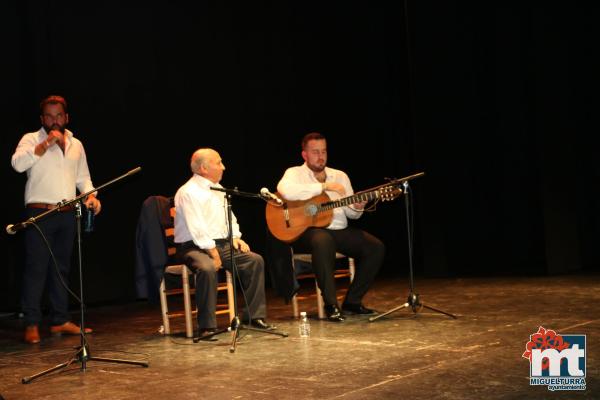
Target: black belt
46	206
218	242
185	244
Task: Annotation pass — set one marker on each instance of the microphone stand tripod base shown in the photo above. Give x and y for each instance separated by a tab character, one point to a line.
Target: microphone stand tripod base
234	328
82	355
249	328
416	305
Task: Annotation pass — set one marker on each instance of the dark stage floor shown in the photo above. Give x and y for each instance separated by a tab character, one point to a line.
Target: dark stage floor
403	356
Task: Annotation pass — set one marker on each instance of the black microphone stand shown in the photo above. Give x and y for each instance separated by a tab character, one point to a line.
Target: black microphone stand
235	324
83	352
413	300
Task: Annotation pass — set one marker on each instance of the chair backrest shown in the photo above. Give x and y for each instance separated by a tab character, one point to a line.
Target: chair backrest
170	236
150	245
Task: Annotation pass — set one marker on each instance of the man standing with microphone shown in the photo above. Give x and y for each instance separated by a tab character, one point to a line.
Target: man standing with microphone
56	167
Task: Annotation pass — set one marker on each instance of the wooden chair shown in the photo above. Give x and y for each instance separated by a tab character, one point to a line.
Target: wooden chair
339	273
189	312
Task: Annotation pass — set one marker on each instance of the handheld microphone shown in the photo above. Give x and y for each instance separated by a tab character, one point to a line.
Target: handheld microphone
264	192
89	220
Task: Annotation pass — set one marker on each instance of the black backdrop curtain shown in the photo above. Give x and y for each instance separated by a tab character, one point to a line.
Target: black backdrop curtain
495	103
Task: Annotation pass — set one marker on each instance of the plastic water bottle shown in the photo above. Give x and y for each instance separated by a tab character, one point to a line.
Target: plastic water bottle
304	327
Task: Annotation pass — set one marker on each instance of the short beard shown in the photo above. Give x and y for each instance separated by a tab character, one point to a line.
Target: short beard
316	169
55	127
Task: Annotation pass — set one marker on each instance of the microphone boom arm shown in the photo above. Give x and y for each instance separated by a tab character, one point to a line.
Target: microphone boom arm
12	229
235	192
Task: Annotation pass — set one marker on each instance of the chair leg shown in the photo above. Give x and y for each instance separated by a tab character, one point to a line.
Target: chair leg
320	303
230	294
187	306
351	268
164	308
295	306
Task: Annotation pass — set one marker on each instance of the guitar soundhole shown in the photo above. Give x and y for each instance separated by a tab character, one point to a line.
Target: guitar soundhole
310	210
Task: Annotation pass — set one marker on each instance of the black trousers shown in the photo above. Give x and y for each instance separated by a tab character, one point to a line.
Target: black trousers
366	249
40	272
251	271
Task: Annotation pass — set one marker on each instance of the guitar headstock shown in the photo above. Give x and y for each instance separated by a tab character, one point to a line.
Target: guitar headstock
389	193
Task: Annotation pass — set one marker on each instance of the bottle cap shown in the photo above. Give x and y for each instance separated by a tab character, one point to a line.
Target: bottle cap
303	314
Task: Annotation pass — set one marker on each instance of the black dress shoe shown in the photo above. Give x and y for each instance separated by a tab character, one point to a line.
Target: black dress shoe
260	323
206	334
333	313
357	309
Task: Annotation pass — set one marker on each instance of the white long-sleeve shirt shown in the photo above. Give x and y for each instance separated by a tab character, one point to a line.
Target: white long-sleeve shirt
53	176
299	183
201	214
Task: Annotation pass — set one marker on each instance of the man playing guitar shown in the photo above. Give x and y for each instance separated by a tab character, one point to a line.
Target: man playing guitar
329	232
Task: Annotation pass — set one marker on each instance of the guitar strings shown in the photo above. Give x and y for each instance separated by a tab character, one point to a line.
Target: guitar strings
371	208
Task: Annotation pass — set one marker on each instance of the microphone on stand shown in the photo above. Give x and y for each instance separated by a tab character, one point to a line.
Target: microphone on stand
12	229
264	192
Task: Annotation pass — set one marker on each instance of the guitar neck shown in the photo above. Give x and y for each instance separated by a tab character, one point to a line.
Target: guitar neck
346	201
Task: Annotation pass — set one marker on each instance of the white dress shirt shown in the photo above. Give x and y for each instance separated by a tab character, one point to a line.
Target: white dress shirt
53	176
299	183
201	214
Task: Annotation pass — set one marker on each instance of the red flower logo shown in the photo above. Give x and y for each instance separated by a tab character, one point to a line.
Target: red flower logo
545	339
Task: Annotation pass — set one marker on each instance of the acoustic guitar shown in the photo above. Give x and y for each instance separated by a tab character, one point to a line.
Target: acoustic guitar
289	220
